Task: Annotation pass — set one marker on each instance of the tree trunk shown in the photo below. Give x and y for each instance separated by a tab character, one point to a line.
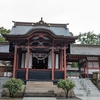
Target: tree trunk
11	95
66	93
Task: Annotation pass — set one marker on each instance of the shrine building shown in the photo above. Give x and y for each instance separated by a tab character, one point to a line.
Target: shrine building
42	51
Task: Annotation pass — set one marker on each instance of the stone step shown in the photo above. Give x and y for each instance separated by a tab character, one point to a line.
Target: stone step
39	83
39	94
39	98
39	91
42	87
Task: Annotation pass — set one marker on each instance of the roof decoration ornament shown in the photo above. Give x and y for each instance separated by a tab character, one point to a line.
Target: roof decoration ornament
41	22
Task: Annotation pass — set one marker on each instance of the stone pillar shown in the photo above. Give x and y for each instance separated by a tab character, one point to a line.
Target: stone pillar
64	62
52	63
27	62
15	58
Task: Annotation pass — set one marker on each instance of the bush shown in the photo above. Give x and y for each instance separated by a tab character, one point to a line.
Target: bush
66	85
14	85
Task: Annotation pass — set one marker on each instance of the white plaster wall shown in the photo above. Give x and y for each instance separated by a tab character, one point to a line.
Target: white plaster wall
90	71
23	60
49	62
30	61
57	61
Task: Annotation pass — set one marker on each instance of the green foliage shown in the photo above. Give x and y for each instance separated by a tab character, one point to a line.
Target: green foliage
66	85
3	31
14	85
75	65
88	38
71	34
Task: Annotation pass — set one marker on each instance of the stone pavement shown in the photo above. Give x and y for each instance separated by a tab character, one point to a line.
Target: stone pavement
39	98
8	98
89	98
49	98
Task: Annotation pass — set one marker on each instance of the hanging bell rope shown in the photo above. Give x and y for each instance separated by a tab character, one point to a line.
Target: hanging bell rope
43	57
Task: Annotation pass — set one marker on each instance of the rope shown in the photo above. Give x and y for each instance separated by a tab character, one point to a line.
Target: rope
43	57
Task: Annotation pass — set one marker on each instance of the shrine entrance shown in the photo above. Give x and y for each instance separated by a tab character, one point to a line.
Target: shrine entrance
39	64
40	60
40	50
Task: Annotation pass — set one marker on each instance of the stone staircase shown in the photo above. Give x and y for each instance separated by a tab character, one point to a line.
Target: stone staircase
2	81
85	88
42	89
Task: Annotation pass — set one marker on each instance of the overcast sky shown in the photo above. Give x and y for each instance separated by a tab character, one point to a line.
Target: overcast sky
82	15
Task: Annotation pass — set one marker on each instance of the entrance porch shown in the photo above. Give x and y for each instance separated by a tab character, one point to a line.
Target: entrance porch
39	74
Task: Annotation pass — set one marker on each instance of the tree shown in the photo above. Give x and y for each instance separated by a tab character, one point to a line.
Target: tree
71	34
66	85
98	38
14	85
88	38
75	65
3	31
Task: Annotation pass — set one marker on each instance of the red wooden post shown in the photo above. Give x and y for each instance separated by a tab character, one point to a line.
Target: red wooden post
61	59
17	62
52	63
15	58
27	62
64	62
86	68
99	64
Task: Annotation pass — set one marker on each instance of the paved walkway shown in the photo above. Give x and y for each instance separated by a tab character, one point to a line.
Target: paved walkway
39	98
89	98
51	98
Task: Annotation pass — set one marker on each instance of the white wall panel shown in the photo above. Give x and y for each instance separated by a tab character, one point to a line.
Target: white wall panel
23	61
49	62
57	61
30	61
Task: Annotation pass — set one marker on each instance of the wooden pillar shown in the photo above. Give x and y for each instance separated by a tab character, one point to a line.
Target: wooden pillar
99	64
64	62
61	59
52	63
17	62
15	58
27	62
86	69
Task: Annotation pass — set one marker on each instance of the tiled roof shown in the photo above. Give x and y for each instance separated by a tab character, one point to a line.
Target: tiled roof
4	47
79	49
22	28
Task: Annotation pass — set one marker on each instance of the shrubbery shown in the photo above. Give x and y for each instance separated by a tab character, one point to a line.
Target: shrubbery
14	85
66	85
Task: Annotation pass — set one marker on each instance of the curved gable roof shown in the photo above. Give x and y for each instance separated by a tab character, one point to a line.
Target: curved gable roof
22	29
